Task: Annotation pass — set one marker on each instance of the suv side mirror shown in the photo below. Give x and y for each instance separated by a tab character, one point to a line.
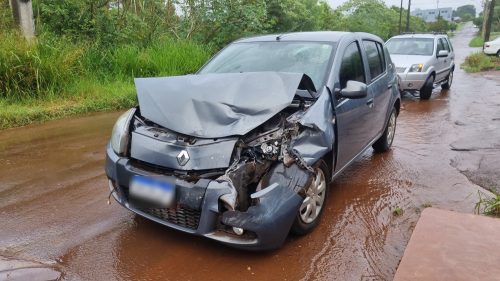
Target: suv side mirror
354	90
442	54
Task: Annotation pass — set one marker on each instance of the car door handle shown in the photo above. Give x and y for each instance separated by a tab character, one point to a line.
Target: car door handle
370	103
389	86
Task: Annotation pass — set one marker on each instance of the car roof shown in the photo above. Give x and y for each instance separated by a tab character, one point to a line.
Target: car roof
420	35
313	36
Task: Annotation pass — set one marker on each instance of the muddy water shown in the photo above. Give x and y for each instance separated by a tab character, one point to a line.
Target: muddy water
55	221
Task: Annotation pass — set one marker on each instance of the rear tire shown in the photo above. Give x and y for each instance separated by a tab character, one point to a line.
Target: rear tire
449	80
384	143
313	205
426	91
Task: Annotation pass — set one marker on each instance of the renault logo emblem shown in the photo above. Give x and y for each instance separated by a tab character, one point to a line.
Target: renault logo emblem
183	158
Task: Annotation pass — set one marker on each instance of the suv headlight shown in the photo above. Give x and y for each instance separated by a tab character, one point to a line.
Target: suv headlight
417	67
120	134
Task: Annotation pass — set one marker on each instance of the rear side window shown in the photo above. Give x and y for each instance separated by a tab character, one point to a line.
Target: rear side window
351	67
383	57
374	58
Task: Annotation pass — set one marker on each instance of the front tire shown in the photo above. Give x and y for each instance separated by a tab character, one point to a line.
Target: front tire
426	91
449	80
311	209
384	143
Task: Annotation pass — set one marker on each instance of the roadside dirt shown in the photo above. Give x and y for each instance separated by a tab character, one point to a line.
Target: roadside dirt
54	215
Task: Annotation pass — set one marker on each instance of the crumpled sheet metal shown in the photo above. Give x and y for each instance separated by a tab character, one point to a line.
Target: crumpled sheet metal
317	136
216	105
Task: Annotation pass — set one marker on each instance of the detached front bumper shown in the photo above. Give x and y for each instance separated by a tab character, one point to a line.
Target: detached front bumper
197	211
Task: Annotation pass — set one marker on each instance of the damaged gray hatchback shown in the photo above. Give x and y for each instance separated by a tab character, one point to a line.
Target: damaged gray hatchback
243	151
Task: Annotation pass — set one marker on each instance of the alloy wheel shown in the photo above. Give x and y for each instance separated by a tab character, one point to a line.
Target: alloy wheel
391	128
315	198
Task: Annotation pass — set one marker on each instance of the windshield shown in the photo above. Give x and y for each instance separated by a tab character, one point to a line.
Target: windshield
311	58
411	46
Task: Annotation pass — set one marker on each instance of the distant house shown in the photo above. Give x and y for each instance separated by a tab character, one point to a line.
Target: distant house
431	15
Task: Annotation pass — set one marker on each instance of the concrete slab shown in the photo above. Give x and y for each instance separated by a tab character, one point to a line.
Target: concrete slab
447	245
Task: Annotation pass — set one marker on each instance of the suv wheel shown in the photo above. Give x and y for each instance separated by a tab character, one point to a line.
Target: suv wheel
449	80
426	91
312	206
384	143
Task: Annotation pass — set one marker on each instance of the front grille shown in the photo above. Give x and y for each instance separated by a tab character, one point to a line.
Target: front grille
180	216
400	69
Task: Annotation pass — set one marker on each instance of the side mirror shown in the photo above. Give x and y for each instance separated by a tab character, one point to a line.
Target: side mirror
442	54
354	90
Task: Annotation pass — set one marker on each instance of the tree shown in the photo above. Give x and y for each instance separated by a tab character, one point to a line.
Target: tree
466	12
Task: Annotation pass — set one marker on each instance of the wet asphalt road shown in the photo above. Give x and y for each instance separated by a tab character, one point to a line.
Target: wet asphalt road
55	222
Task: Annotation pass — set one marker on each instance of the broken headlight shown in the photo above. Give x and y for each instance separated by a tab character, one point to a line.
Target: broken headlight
120	134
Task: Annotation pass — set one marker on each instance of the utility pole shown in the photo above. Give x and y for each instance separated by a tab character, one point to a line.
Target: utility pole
22	10
488	18
400	15
408	17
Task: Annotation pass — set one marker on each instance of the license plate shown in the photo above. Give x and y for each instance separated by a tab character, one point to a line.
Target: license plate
160	193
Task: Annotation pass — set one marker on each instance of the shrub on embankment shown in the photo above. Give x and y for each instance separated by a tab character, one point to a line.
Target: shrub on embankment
477	62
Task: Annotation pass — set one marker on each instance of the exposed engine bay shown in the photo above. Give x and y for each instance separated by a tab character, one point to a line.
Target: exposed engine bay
253	155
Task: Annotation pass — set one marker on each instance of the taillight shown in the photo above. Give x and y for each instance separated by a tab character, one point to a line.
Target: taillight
486	45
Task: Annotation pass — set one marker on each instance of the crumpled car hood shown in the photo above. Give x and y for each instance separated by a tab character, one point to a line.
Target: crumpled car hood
216	105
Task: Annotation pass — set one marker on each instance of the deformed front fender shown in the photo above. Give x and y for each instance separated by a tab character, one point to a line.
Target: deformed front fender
317	137
270	219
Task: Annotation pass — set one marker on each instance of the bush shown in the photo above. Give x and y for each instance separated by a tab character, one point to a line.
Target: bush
480	62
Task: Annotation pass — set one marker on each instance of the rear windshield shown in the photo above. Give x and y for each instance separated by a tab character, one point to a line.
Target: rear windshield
311	58
411	46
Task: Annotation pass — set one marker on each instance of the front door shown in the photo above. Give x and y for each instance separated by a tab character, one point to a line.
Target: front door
352	115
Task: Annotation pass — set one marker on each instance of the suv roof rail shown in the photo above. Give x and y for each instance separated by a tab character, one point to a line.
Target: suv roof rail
430	32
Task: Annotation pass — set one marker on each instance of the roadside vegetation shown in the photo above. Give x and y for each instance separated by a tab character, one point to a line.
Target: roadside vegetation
86	53
489	206
477	41
479	61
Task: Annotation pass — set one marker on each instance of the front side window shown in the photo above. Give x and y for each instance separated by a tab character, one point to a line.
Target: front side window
311	58
374	58
440	46
445	44
411	46
351	67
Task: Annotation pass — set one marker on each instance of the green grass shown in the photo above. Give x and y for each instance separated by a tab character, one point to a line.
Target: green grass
52	78
476	42
398	211
488	205
478	62
426	205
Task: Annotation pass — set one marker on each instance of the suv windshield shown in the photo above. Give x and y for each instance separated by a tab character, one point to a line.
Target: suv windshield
311	58
411	46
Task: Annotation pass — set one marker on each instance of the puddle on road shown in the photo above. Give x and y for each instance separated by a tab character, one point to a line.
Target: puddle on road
53	201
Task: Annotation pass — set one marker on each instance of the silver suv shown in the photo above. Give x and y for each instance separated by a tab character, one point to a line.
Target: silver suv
422	60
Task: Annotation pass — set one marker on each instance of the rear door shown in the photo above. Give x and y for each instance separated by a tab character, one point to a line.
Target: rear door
353	116
379	85
441	62
448	61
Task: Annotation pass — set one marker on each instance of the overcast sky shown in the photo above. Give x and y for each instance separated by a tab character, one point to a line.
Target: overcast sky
424	4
